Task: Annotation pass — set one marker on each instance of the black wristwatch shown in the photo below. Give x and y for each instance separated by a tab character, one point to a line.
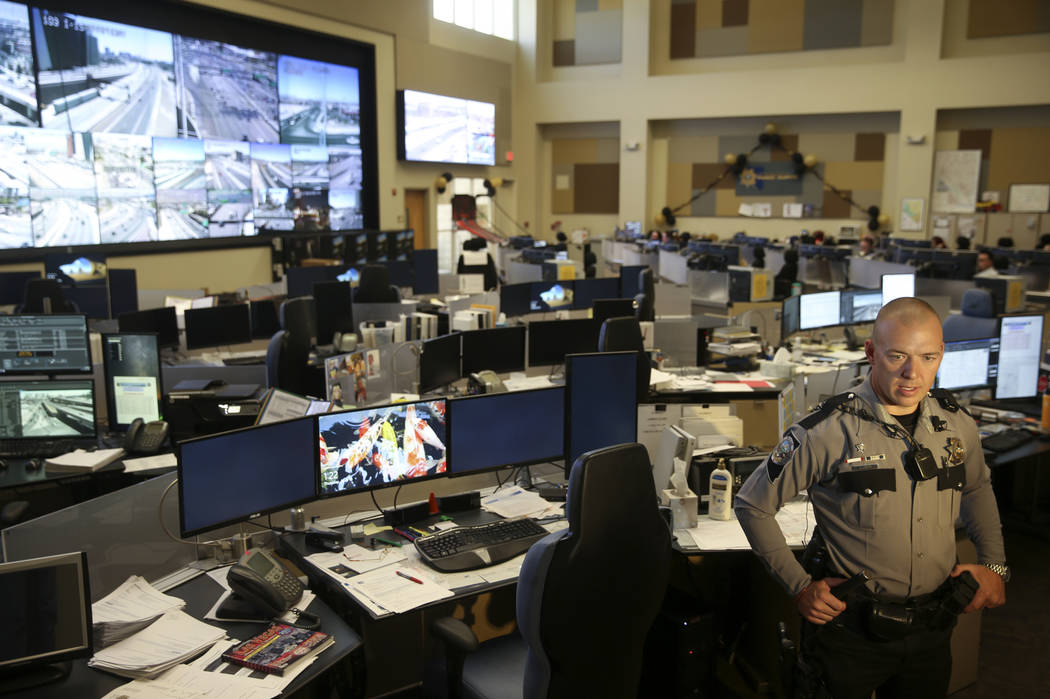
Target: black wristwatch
1000	569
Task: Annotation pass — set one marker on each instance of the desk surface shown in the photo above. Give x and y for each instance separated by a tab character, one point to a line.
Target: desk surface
294	546
200	594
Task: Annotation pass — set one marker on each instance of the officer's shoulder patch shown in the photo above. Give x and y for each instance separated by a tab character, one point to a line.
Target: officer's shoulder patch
780	456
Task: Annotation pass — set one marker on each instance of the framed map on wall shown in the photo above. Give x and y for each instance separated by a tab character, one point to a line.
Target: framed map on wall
955	181
1029	198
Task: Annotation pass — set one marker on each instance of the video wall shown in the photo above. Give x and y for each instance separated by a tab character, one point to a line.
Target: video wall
116	133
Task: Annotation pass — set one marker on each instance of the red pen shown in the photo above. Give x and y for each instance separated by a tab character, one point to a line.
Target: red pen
406	576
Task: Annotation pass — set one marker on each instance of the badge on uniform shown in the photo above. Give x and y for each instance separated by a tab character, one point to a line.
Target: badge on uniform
780	456
956	452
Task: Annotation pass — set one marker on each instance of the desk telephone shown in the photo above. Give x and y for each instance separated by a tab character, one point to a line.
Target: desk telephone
145	437
263	581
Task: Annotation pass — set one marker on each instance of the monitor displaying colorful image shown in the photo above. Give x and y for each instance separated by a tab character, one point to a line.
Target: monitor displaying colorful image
380	446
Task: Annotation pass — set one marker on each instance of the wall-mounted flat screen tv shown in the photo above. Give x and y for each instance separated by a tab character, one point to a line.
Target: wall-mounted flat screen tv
441	129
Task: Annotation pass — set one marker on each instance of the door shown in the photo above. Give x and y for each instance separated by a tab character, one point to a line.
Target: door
416	216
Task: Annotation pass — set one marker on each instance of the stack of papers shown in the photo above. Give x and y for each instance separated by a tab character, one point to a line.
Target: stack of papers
795	518
172	639
127	610
80	460
518	502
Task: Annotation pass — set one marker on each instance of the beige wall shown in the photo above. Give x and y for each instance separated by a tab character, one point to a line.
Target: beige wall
908	78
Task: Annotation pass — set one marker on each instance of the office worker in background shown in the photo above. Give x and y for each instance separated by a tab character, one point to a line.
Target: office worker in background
962	243
937	243
882	507
867	246
1044	242
986	265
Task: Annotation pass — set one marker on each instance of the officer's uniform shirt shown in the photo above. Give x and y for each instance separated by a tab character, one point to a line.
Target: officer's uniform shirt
872	514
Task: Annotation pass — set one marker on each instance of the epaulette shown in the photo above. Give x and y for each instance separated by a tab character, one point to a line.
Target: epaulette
946	399
826	408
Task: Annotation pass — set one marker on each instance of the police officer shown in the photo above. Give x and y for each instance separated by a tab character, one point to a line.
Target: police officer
888	468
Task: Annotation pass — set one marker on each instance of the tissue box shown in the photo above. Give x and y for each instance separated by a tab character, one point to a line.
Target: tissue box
683	508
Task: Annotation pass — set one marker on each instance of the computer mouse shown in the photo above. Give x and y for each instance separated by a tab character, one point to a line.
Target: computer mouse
34	464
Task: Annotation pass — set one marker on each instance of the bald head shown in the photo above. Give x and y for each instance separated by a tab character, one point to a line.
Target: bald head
907	311
905	352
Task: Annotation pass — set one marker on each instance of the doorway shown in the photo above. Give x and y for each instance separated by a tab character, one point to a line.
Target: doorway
416	216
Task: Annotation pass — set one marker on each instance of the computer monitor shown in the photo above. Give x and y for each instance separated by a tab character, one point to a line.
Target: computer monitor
334	310
514	299
860	306
47	612
895	286
497	430
236	476
13	286
586	291
42	410
123	292
499	349
91	300
1020	351
44	344
131	365
789	317
400	272
162	321
630	285
969	364
380	446
264	318
551	296
601	402
604	309
439	362
551	340
300	280
820	310
425	272
218	326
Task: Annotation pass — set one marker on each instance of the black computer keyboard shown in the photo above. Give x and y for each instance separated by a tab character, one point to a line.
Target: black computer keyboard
479	545
244	361
1006	440
43	449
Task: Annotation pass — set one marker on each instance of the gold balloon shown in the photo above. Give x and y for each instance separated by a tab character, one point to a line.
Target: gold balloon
440	182
660	219
810	160
730	158
884	219
496	182
771	128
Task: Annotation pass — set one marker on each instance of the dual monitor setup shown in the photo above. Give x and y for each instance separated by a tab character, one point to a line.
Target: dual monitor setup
445	359
569	294
212	326
55	408
826	309
1007	363
232	477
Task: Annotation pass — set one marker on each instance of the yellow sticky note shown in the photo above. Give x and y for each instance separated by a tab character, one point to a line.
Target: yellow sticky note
371	529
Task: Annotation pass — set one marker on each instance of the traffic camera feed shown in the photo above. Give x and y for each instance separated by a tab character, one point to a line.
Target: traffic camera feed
108	168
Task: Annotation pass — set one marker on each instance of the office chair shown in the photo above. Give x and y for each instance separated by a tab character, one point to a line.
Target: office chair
488	270
645	301
624	334
977	320
375	286
299	317
45	296
286	359
587	595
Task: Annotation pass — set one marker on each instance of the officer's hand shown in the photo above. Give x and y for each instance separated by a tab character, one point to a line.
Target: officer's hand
817	605
992	591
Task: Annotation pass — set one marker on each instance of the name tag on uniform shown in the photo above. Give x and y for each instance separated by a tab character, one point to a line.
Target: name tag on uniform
862	463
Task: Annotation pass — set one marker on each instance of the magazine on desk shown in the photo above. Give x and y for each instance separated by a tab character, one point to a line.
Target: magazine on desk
277	647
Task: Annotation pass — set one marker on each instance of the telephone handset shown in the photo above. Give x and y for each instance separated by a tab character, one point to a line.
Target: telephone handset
486	381
145	437
263	581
